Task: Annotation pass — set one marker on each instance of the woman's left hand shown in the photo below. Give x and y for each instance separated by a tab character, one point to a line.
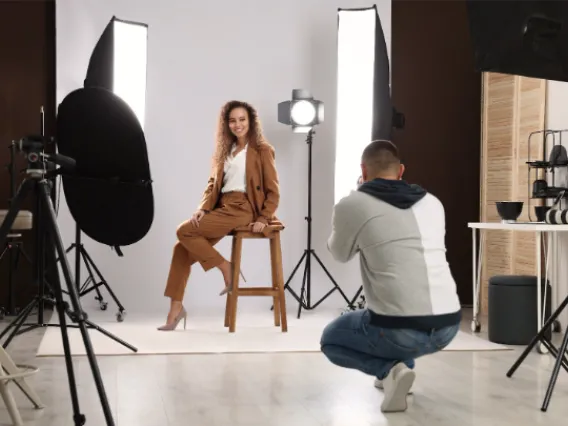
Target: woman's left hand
257	226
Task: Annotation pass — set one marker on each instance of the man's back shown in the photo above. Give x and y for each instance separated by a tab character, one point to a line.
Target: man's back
399	231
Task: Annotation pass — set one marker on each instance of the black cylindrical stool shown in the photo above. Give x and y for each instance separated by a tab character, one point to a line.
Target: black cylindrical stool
512	309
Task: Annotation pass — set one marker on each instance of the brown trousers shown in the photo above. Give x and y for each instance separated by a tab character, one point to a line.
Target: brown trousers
195	244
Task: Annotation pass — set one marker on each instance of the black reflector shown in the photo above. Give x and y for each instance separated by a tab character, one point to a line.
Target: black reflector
110	194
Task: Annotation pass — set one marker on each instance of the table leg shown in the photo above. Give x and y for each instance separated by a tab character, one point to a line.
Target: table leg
476	273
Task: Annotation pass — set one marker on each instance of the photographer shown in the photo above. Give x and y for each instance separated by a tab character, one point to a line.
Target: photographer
412	304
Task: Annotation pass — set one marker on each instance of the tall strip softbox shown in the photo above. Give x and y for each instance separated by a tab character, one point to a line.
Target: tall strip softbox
364	108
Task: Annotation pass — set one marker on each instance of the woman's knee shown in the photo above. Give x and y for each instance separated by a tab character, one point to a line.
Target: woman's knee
186	229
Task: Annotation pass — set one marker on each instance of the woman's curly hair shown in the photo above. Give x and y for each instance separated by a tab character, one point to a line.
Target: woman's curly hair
225	139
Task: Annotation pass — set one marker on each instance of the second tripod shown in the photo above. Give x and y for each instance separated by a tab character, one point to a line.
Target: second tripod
304	299
98	281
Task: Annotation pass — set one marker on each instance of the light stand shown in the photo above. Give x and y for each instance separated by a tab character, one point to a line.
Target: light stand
14	247
38	182
304	301
92	269
559	354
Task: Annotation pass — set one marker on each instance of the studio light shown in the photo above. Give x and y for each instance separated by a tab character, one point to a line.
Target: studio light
117	66
303	112
103	162
119	63
364	109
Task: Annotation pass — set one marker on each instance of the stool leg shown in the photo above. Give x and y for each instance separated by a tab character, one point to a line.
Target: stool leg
277	249
235	277
8	364
274	269
228	302
10	402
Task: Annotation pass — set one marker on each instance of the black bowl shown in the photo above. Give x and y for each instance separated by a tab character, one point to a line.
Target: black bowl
509	210
541	212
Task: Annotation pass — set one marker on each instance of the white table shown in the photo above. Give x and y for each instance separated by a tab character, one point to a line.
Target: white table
539	228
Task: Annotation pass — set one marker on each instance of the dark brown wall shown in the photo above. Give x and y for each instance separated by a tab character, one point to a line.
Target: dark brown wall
27	82
434	84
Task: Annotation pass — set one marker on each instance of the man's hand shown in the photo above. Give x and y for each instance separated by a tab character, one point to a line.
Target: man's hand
257	226
197	216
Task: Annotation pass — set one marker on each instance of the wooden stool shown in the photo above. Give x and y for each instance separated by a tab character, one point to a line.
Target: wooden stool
271	232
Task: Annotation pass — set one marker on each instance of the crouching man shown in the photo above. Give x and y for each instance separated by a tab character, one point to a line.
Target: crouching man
412	304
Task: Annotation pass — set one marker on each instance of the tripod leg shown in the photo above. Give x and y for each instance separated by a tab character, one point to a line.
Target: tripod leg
303	289
330	277
287	285
51	223
89	264
555	371
17	323
538	337
78	418
104	282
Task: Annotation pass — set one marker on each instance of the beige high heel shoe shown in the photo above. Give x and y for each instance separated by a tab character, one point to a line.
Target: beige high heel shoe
170	327
229	288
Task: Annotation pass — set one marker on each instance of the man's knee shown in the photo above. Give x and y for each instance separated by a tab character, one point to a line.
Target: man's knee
328	334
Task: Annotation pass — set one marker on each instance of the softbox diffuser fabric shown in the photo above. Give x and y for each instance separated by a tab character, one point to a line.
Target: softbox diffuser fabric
364	107
110	194
382	104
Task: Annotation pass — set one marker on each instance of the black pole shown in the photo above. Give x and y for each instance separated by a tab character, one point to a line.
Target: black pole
304	300
309	141
78	258
40	258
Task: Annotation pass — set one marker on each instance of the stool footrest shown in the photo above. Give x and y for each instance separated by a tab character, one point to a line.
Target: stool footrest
257	291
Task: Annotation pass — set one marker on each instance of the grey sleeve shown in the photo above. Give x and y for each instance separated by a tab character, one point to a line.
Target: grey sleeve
342	242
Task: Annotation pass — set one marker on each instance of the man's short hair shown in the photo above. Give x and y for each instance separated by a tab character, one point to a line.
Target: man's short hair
381	156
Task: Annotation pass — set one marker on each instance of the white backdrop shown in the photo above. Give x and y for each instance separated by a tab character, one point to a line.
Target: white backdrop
201	54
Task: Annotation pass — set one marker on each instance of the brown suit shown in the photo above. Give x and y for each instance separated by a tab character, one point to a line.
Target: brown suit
263	189
225	212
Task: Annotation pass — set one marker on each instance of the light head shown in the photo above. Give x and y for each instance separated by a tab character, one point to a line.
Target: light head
303	112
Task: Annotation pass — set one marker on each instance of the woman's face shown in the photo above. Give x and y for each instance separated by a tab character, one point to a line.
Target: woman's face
239	122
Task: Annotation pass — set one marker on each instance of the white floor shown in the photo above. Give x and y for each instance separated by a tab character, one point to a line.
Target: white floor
465	388
255	333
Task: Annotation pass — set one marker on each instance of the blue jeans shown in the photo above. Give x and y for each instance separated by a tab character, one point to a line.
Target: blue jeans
350	341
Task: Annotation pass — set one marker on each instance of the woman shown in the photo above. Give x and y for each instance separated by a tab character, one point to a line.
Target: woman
243	190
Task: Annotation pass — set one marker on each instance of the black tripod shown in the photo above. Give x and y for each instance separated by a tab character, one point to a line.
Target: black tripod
82	254
48	297
37	181
14	247
559	354
305	299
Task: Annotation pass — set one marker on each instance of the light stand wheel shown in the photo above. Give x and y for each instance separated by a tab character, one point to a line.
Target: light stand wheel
120	316
103	306
475	326
556	326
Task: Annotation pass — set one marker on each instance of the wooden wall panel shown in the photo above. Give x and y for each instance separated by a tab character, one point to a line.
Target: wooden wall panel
513	107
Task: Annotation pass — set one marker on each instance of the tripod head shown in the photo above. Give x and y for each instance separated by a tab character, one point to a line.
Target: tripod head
42	165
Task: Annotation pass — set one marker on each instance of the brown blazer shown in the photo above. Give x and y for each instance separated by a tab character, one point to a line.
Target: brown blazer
263	189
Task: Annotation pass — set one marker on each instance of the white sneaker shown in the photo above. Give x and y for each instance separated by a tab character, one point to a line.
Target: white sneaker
397	385
380	385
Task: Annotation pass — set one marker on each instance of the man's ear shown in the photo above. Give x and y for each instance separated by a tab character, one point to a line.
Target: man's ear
401	171
364	172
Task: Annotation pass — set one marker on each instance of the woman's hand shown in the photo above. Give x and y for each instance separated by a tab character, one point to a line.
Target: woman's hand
197	216
257	226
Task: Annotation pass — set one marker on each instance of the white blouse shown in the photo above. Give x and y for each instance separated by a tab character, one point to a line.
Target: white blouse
235	171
